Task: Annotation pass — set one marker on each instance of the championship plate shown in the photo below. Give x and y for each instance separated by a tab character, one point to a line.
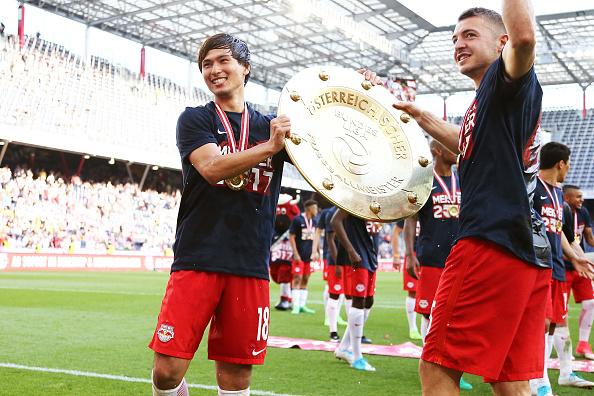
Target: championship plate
353	147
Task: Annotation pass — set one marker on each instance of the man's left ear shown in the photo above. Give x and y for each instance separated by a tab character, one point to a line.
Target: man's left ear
502	41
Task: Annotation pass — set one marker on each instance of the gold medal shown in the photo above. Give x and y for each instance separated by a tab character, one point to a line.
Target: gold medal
559	226
237	183
577	238
453	210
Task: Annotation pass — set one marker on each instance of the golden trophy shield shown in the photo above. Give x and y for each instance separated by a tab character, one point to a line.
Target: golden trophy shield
353	147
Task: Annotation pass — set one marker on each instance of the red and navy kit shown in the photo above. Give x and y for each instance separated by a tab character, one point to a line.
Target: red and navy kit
363	243
438	220
304	230
498	162
218	229
548	203
580	220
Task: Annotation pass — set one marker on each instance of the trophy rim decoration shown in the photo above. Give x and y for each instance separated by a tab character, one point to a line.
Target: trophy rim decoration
406	195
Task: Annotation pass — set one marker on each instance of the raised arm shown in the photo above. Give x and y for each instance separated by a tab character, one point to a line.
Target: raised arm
519	52
396	258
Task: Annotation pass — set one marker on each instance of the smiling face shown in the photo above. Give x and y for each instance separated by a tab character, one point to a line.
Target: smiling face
477	44
222	73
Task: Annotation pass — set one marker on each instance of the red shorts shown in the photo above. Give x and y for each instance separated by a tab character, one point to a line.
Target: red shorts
193	299
408	282
336	283
347	278
281	273
557	303
362	282
325	269
489	314
580	286
426	288
300	268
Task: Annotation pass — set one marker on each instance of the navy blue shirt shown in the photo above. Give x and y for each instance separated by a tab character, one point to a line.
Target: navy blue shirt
220	230
303	236
323	221
553	219
438	220
497	162
363	243
583	221
326	220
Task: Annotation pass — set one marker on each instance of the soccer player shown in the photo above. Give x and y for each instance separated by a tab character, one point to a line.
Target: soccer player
437	220
490	303
232	164
581	287
409	284
281	257
548	202
301	235
357	249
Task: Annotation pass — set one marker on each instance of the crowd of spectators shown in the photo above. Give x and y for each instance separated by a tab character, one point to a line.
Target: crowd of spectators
43	211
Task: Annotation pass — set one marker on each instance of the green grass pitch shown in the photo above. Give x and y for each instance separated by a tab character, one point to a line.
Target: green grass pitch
102	323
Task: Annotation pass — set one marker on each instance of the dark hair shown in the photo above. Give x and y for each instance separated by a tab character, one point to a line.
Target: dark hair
553	152
492	16
239	49
568	187
309	202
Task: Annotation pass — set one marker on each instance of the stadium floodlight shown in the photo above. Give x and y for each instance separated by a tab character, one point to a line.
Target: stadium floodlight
155	167
2	143
86	156
111	161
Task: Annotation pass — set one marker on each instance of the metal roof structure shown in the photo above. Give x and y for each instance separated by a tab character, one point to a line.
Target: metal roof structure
288	35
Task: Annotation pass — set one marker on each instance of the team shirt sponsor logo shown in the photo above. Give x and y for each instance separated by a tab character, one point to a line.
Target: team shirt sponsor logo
165	333
465	137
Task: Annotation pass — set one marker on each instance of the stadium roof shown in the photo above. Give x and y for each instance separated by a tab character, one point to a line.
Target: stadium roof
288	35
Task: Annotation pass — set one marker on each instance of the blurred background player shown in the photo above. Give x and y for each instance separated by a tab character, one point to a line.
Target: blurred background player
205	279
426	253
357	248
581	287
281	257
548	203
301	235
409	284
286	210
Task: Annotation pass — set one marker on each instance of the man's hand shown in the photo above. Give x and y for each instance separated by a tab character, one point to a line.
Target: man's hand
397	262
584	267
409	107
412	265
280	128
354	258
297	257
337	271
315	256
371	76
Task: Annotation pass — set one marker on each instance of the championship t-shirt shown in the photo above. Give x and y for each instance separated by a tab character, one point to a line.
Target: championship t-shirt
580	220
281	252
498	145
304	230
218	229
363	243
438	220
548	203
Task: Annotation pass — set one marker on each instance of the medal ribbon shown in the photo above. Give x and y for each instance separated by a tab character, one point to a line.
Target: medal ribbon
575	224
308	225
554	199
244	133
451	195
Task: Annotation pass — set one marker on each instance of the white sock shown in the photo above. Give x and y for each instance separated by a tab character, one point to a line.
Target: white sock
411	314
325	295
296	297
244	392
586	316
366	314
285	290
180	390
424	327
303	297
332	314
544	380
562	343
348	303
356	322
